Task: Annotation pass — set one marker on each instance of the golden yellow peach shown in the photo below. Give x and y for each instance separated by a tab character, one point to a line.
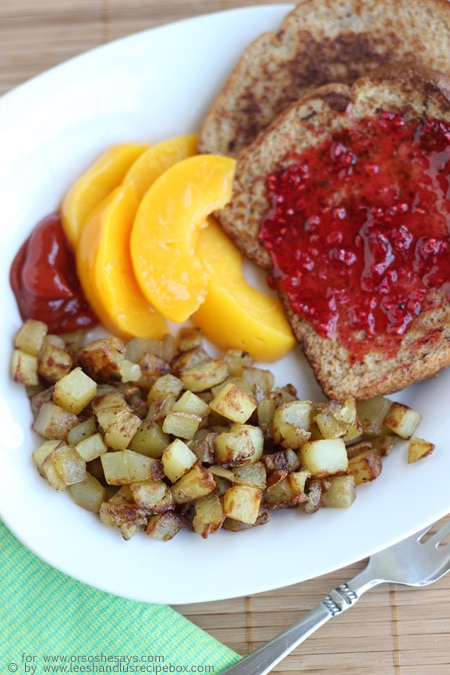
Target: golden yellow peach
234	314
166	229
94	185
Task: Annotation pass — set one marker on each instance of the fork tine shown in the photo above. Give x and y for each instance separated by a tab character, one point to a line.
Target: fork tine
439	536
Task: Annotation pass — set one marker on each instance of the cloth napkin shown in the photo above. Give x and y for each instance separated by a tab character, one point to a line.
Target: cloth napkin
51	623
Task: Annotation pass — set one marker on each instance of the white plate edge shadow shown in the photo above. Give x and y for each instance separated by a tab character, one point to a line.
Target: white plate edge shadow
45	151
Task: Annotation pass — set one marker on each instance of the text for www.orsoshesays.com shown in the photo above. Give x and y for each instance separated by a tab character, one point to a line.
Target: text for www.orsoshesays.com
100	663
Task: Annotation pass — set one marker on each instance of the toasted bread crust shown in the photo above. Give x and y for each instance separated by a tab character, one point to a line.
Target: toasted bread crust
425	347
319	42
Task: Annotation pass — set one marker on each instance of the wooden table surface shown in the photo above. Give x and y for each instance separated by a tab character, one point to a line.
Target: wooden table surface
392	631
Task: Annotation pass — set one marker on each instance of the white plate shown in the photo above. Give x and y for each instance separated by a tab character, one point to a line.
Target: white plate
149	87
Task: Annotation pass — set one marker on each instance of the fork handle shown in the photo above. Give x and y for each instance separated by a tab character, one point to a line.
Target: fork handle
263	659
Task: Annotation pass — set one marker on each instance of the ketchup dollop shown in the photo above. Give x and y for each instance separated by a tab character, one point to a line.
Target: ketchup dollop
358	229
44	280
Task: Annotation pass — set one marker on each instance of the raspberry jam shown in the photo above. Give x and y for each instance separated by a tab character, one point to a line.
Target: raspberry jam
358	229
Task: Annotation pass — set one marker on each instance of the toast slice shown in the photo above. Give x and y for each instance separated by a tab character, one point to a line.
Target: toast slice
359	362
319	42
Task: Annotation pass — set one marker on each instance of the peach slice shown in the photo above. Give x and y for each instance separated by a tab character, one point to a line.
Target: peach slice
166	228
106	272
96	184
234	314
157	159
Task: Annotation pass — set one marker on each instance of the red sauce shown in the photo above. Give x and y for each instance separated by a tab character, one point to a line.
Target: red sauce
358	229
44	280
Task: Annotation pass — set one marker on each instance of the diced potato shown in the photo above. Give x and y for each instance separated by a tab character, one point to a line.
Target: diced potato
160	406
152	367
236	360
261	381
324	456
53	422
266	412
205	375
164	526
149	439
24	368
189	337
177	459
119	434
191	403
243	443
371	414
281	460
126	466
402	420
313	495
232	525
30	336
101	359
194	484
219	471
106	405
136	347
418	448
129	371
91	447
42	452
82	430
358	448
291	424
190	359
233	403
203	446
365	467
242	502
250	474
53	361
181	424
287	492
121	511
69	465
154	496
383	444
50	473
209	515
89	493
339	492
74	391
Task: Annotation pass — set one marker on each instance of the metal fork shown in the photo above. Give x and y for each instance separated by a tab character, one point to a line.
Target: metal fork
417	561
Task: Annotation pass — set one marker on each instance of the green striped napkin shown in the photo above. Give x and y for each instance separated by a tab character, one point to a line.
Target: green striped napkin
51	623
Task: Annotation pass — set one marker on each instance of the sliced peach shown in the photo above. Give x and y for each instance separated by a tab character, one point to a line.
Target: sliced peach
157	159
234	314
96	184
106	272
166	228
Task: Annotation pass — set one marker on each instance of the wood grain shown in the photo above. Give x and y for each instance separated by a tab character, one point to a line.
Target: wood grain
392	630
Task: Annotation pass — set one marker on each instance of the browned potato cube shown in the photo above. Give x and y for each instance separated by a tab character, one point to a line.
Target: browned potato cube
74	391
119	434
324	457
24	368
153	495
149	439
30	336
418	448
402	420
371	414
196	483
69	465
53	422
91	447
101	359
164	526
250	474
43	450
177	459
237	360
288	492
82	430
365	467
291	424
123	467
209	515
233	403
53	361
189	338
191	403
204	376
89	493
242	502
339	492
243	443
181	424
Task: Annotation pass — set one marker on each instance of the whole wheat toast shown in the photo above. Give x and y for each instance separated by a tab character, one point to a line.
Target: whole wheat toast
424	348
319	42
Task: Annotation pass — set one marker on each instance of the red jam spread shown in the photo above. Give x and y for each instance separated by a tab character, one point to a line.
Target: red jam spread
44	280
358	229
